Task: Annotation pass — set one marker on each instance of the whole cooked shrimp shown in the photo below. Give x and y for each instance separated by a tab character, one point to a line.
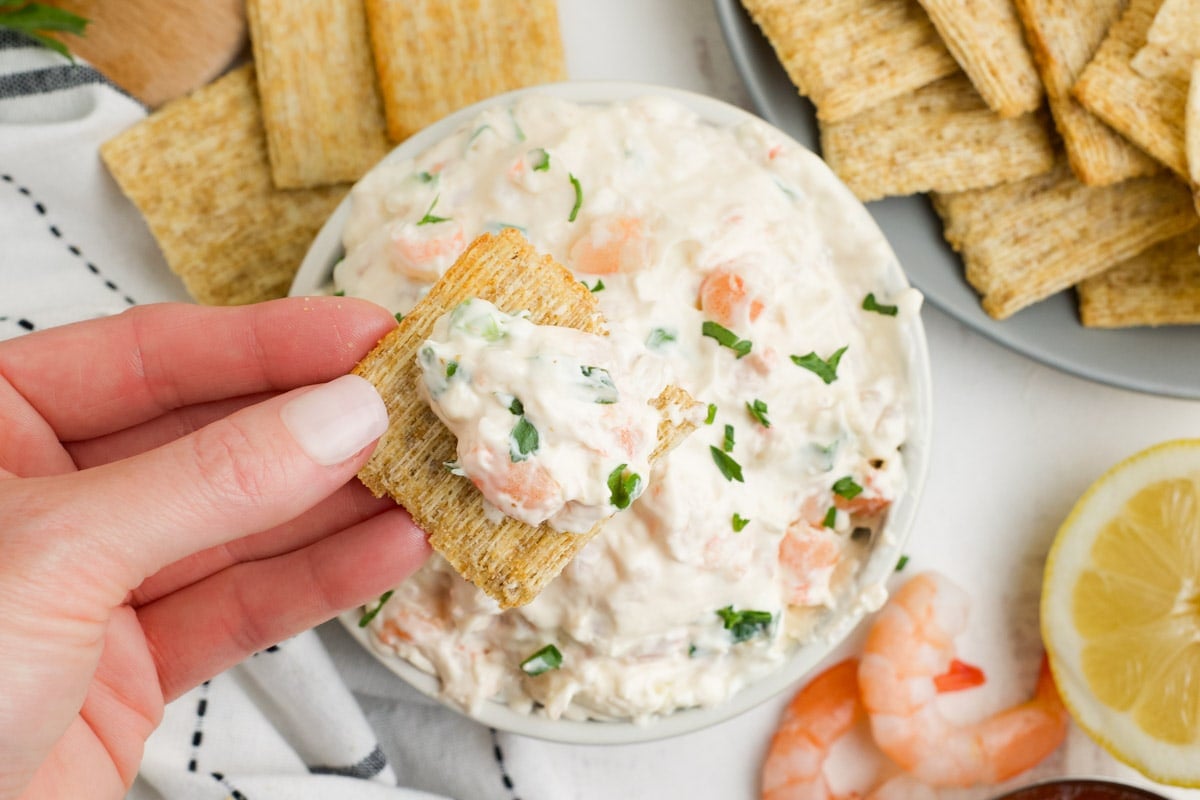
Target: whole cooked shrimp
822	712
908	655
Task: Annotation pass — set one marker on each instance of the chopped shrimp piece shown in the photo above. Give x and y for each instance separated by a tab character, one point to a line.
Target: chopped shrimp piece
870	503
423	252
521	489
725	298
614	244
807	557
910	645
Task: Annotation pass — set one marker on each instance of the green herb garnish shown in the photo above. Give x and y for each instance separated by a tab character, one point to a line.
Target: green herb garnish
658	337
902	563
544	660
523	441
475	134
370	614
825	369
728	445
600	382
726	338
516	408
35	20
830	517
869	304
758	410
429	218
399	317
426	177
599	287
541	159
340	293
578	197
739	522
729	468
847	488
454	468
712	414
623	486
451	368
746	624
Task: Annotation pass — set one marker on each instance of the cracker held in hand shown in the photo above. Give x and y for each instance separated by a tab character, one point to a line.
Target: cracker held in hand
509	560
1147	111
437	56
197	170
316	81
985	38
1022	242
1160	286
851	55
1064	35
942	138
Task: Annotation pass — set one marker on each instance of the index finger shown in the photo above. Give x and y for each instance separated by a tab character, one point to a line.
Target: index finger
100	376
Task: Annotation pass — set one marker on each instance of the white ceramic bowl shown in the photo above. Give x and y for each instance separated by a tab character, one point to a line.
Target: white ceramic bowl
315	272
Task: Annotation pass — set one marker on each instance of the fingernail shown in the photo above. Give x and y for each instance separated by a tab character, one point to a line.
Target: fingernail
335	421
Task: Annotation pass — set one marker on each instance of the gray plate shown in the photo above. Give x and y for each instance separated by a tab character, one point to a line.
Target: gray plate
1155	360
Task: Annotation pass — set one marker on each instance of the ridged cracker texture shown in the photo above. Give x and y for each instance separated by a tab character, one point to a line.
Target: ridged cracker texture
437	56
1192	133
1172	43
851	55
1147	111
942	137
1064	35
1022	242
986	39
507	559
316	81
197	170
1160	286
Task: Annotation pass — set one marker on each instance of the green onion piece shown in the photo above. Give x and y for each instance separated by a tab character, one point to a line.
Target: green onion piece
426	177
370	614
739	522
451	368
544	660
32	19
830	517
478	132
758	410
623	486
729	468
902	563
578	197
399	317
726	338
746	624
516	125
847	488
541	159
825	369
429	218
712	414
869	304
728	445
523	441
599	287
658	337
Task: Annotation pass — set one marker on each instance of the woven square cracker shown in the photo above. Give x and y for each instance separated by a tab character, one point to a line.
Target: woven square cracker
985	37
323	115
436	56
1172	43
197	170
851	55
942	137
1147	111
1064	35
509	560
1192	133
1160	286
1022	242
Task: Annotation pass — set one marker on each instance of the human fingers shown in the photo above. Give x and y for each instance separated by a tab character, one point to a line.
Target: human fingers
209	626
348	506
246	473
99	376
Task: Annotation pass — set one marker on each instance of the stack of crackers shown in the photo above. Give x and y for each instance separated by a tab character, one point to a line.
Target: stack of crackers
236	179
1050	133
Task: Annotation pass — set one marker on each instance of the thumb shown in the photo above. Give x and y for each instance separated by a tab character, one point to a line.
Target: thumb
250	471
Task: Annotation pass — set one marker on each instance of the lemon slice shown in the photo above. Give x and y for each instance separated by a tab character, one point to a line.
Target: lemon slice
1121	612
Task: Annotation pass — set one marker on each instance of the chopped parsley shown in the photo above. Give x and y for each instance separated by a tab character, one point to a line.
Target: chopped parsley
712	414
902	563
541	159
870	304
578	197
426	177
451	368
370	614
744	625
600	382
739	522
726	338
830	517
454	468
758	410
523	440
731	469
728	444
544	660
658	337
340	293
599	287
516	407
623	486
429	218
847	488
825	369
399	317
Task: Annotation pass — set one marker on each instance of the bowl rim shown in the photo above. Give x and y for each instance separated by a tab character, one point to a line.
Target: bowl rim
314	273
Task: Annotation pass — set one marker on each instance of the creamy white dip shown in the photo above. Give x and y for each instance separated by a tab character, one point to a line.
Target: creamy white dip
730	256
553	424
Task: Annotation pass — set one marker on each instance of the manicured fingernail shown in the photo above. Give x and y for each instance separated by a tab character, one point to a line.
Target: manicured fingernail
335	421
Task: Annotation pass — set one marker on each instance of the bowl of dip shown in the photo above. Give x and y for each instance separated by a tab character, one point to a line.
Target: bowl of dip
767	290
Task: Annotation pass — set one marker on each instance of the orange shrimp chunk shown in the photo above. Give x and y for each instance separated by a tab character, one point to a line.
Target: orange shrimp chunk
723	294
960	675
528	485
616	244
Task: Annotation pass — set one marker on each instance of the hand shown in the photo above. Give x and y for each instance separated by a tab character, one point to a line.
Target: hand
170	504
